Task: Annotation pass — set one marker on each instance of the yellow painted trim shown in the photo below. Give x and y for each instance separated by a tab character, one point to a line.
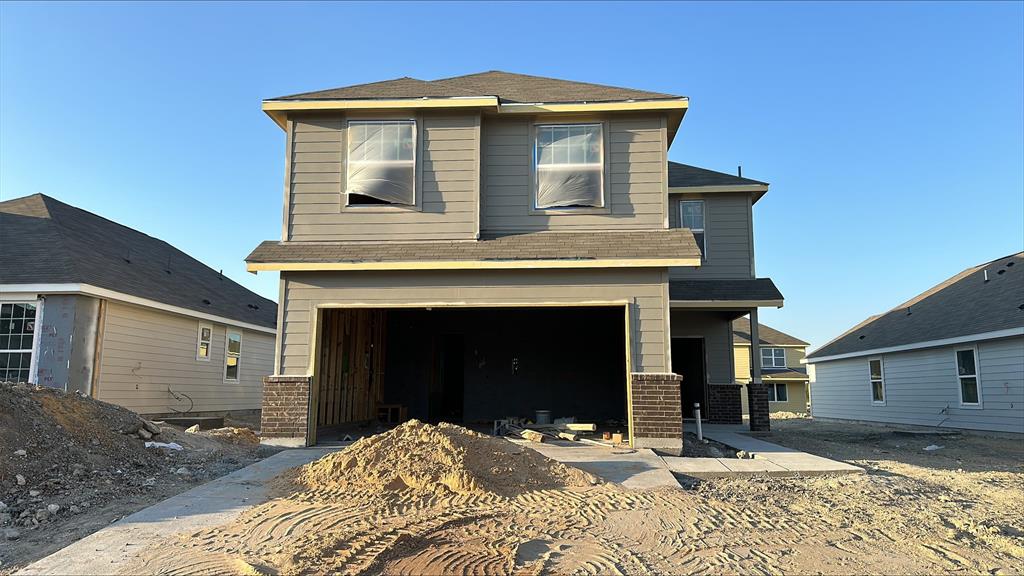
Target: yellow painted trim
594	107
470	264
293	105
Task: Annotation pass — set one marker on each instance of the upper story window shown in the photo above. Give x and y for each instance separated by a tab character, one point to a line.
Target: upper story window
232	355
876	372
691	215
381	162
17	334
773	357
570	166
967	375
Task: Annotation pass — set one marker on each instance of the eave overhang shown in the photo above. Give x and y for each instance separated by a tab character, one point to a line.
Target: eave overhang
538	264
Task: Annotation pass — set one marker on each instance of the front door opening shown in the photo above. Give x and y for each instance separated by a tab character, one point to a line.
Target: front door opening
688	361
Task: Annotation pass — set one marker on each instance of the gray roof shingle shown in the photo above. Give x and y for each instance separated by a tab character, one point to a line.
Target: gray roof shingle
765	334
754	289
46	241
963	305
685	175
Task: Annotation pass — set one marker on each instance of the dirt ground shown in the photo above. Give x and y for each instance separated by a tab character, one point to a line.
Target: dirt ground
450	509
71	465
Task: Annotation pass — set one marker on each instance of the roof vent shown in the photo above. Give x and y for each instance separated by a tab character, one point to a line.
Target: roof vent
253	307
861	337
205	301
1003	271
1021	307
220	274
986	275
1010	263
128	256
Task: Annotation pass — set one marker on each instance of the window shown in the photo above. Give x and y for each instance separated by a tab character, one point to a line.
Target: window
967	374
232	355
381	162
777	393
203	342
570	166
691	215
773	357
877	376
17	334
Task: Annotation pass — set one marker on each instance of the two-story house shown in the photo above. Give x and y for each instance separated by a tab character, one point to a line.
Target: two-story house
782	364
495	244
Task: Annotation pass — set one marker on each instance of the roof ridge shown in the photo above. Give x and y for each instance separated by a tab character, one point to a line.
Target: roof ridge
666	94
59	230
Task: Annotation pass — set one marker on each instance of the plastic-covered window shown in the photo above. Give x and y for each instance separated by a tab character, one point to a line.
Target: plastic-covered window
381	162
570	166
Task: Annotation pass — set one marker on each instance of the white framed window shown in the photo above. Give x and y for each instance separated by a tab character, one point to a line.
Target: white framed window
569	161
968	377
777	392
876	374
17	339
232	355
773	357
691	215
203	338
381	163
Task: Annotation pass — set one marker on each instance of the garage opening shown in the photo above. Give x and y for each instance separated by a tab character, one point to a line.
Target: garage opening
469	366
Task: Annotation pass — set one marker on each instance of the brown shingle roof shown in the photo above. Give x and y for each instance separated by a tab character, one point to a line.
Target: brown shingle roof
766	334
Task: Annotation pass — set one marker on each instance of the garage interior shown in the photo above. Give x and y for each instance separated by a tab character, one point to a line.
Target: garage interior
469	366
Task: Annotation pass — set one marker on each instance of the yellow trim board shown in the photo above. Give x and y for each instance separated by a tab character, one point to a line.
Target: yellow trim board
470	264
627	106
292	105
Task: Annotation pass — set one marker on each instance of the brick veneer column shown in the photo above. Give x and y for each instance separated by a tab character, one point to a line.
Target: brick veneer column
757	403
285	416
725	406
657	411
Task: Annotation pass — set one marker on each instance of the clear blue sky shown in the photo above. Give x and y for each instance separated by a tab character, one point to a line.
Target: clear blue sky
892	134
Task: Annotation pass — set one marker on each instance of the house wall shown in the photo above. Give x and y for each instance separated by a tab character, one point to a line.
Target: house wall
147	354
716	330
67	337
448	180
635	177
797	394
645	288
728	235
921	388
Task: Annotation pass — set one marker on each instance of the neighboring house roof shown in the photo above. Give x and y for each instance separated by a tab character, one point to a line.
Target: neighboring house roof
687	176
46	241
506	86
965	305
767	335
725	291
540	249
784	374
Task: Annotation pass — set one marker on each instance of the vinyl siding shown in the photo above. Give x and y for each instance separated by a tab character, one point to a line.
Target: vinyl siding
716	331
921	388
645	288
797	394
145	352
635	178
728	235
447	192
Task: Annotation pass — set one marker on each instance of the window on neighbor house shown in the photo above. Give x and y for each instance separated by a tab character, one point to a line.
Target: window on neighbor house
691	215
967	374
570	166
773	357
17	334
778	393
203	341
381	162
877	377
232	355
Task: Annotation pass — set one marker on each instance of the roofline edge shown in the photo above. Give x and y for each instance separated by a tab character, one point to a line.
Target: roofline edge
1006	333
470	264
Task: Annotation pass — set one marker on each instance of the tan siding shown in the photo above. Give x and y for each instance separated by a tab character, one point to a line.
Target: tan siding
447	186
716	331
635	178
146	352
728	236
642	287
742	356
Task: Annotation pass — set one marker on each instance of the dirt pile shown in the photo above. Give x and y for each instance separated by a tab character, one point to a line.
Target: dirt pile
233	435
442	458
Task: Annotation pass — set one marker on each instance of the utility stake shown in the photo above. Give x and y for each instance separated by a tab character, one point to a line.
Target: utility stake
696	414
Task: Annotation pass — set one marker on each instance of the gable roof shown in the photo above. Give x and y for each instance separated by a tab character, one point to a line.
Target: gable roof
767	335
963	305
687	176
46	241
506	86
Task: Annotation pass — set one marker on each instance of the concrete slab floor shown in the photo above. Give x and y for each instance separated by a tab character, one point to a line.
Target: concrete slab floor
638	469
788	459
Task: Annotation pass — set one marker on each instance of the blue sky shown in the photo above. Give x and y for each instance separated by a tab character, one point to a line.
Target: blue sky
892	134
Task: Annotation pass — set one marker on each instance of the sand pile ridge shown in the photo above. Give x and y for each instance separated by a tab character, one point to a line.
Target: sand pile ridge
441	458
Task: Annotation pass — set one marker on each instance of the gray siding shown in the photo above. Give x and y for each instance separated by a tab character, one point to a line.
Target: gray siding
67	336
635	178
448	159
147	352
645	288
716	331
729	238
921	388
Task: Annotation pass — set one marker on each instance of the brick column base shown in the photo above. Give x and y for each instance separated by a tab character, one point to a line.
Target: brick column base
757	405
285	410
657	411
724	404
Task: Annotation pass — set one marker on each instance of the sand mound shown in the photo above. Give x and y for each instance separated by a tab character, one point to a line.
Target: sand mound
232	435
442	458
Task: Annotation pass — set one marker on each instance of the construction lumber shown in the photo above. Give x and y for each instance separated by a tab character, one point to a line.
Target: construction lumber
595	443
531	435
577	427
568	436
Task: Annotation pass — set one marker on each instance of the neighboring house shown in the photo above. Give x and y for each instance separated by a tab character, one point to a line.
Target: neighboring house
494	244
952	357
782	366
90	306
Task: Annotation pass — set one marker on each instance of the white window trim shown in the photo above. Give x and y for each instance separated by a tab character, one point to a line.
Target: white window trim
415	166
777	401
871	383
773	348
977	377
199	341
704	230
605	202
227	334
33	358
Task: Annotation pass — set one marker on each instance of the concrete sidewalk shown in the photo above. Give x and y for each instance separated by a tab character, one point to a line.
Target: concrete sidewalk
639	468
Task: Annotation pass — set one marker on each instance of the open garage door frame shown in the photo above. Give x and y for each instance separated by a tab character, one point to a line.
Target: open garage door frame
316	329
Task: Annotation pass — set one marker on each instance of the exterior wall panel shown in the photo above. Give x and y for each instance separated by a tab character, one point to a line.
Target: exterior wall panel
728	235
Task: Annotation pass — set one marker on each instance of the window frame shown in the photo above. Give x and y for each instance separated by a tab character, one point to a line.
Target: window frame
417	151
871	382
774	391
227	354
959	377
605	207
773	349
199	342
704	231
33	357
